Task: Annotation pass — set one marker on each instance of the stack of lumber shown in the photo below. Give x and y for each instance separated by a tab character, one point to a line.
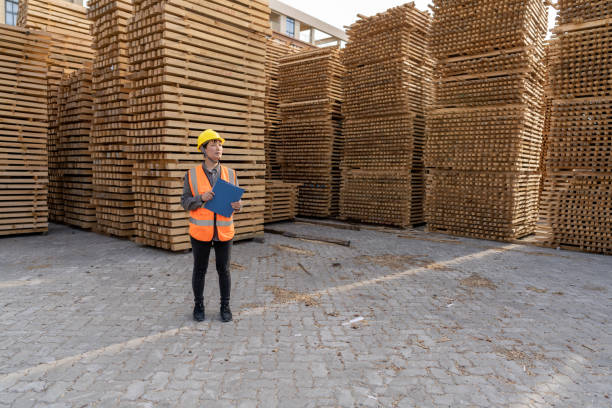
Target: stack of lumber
576	206
583	11
388	88
277	46
281	197
484	135
75	112
195	65
281	201
23	130
70	50
112	171
310	86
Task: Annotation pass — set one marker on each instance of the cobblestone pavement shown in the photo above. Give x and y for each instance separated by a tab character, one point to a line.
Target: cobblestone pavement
399	319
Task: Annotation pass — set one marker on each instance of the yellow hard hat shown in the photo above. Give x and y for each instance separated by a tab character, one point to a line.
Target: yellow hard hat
207	136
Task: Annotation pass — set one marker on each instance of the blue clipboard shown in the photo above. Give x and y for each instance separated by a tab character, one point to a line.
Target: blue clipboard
225	194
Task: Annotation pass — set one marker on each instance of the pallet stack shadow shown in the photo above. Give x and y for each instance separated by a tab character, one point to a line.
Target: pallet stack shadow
112	171
70	50
75	112
576	206
484	135
23	130
194	69
281	197
388	89
310	86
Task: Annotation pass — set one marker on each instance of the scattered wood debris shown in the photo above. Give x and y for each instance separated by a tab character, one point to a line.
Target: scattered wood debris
287	296
477	281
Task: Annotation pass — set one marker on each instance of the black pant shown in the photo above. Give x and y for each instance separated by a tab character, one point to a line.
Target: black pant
201	252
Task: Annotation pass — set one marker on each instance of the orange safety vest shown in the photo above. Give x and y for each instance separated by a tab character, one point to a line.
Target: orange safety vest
202	221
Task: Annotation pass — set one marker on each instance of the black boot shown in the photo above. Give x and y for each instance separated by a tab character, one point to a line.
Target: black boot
226	313
198	311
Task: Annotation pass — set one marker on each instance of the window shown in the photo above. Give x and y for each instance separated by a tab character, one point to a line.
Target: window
11	7
290	27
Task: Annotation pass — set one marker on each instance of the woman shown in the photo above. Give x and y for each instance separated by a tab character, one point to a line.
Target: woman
208	229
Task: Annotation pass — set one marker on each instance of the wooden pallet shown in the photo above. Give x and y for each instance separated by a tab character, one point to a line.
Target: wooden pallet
492	205
23	130
486	26
582	11
576	206
113	196
277	46
388	90
193	70
75	113
576	211
581	68
71	49
281	201
484	135
310	105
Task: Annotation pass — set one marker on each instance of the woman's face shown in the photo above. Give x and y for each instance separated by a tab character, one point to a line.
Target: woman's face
214	150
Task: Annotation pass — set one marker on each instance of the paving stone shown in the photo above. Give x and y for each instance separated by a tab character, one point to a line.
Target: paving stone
119	338
134	391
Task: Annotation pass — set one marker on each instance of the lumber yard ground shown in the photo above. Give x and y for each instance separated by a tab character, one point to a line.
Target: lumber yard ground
398	319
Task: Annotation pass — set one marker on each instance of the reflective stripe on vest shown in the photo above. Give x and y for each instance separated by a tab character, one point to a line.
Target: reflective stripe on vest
209	223
202	221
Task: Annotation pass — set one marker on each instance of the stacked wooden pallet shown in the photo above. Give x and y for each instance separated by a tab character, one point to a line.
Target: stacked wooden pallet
281	197
388	88
75	112
576	207
195	65
70	50
582	11
281	201
310	102
112	171
484	135
277	46
23	130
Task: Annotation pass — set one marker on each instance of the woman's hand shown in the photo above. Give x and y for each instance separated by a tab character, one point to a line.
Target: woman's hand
237	206
207	196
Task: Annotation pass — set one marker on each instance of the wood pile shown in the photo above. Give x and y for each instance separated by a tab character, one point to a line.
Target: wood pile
112	171
195	65
23	130
75	113
277	46
583	11
484	135
281	198
71	49
388	89
281	201
310	86
576	207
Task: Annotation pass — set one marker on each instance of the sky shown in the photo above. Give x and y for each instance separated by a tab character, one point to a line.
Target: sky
344	12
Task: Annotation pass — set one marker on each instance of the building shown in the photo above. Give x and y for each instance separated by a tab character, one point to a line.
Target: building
291	22
10	8
8	11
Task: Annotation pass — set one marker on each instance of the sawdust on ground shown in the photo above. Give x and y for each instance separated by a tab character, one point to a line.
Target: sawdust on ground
286	296
520	357
477	281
